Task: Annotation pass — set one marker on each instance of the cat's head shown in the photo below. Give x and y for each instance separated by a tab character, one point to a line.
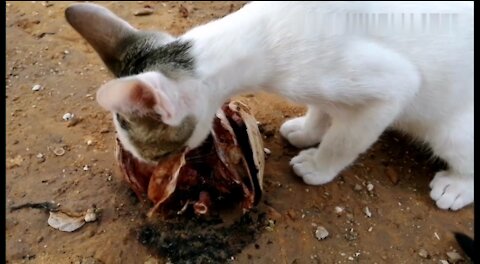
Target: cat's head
152	113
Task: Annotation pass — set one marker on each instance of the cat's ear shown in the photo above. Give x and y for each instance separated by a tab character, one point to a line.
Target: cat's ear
101	28
141	94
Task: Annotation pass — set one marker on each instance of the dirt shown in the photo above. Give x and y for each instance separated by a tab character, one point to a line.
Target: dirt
391	179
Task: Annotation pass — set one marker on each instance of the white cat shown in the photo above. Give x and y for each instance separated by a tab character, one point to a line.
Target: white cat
356	81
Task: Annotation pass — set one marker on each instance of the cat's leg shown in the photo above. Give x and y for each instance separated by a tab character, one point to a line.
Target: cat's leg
307	130
453	142
351	133
367	92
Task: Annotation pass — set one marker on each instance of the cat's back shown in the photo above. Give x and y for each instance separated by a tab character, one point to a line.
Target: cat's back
447	26
432	35
349	19
308	41
284	9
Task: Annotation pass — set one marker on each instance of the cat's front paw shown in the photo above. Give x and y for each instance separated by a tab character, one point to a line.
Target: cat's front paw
451	191
305	166
294	131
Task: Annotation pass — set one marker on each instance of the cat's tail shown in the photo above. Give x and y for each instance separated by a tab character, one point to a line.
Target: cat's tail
467	244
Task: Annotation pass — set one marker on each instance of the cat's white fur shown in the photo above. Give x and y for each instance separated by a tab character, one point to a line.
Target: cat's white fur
355	85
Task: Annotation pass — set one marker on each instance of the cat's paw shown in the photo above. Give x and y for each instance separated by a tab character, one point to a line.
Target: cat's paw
305	166
451	191
293	130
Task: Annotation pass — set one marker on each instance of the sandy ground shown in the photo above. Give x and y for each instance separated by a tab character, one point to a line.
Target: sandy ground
43	49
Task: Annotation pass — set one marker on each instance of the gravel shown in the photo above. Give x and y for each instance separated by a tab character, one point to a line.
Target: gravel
321	233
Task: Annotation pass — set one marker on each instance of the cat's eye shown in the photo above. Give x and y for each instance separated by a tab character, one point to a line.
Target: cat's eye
123	122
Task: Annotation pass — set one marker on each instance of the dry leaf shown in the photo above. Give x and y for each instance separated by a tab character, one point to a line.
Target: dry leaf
65	222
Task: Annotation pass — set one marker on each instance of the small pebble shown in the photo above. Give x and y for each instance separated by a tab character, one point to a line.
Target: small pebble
86	168
321	233
109	178
90	216
370	229
37	87
370	187
267	151
339	210
454	257
357	187
89	142
270	226
442	261
59	151
143	12
68	116
367	212
423	253
40	158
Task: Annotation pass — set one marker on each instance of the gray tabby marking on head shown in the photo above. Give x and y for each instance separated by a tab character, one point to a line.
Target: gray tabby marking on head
127	51
144	54
147	131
